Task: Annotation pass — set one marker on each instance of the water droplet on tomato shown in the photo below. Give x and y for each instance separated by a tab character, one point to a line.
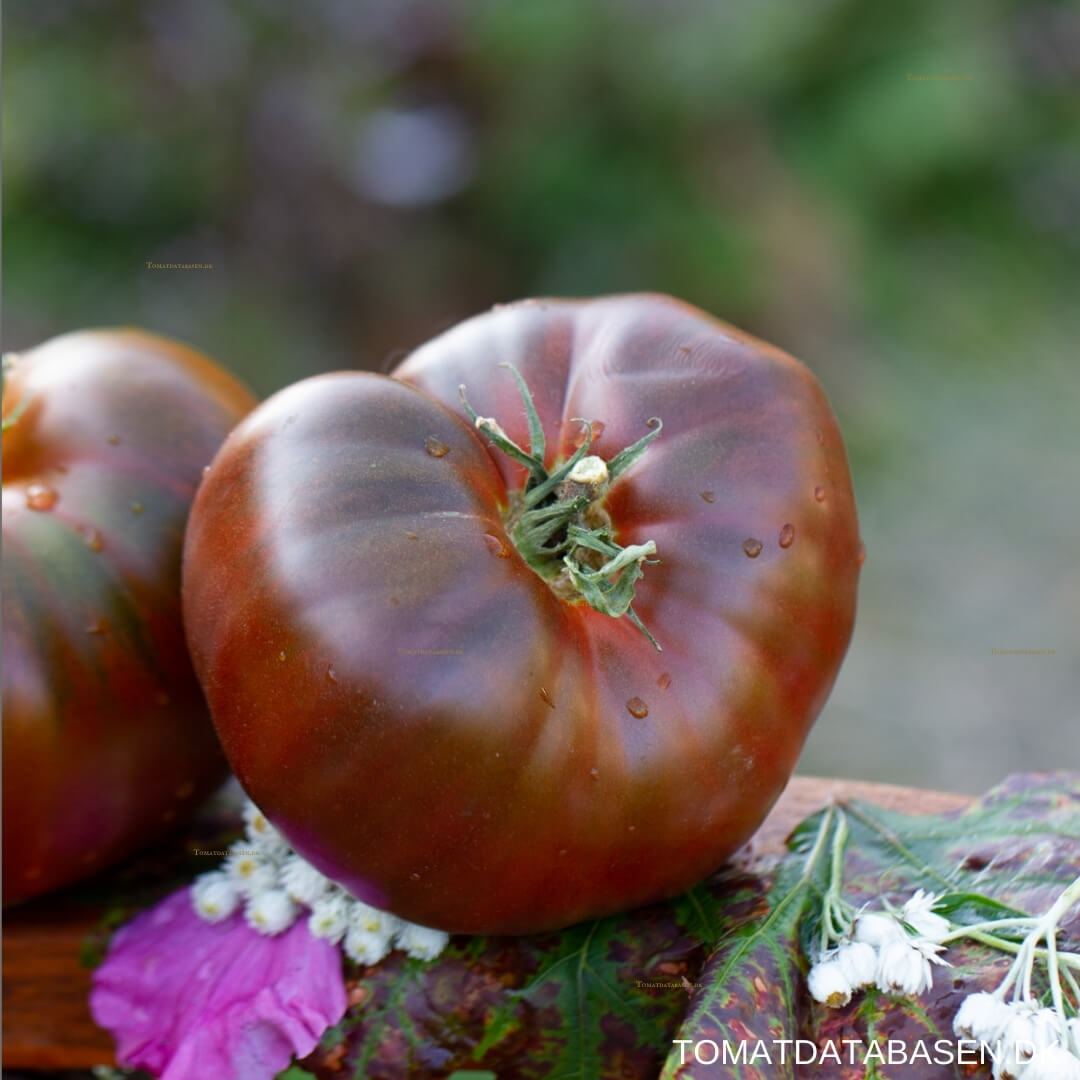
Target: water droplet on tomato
93	540
594	772
414	876
436	448
137	508
637	708
41	497
709	496
496	546
821	438
331	674
819	493
630	828
752	547
206	470
562	851
99	626
787	535
861	557
281	655
664	681
546	698
113	440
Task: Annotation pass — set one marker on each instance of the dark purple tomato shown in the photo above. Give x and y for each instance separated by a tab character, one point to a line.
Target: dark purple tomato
106	736
491	694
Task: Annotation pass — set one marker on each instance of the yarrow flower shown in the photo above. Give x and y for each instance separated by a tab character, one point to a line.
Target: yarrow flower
828	984
904	966
215	896
1053	1063
919	913
981	1017
858	963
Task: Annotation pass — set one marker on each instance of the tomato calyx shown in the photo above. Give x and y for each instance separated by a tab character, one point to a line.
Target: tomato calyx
558	521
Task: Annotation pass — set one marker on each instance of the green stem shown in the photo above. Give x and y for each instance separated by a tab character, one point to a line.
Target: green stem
558	522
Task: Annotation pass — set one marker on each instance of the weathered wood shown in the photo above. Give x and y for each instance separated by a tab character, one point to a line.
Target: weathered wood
47	1023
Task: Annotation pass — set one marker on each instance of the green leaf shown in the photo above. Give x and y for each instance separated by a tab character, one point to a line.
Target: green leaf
295	1072
1018	846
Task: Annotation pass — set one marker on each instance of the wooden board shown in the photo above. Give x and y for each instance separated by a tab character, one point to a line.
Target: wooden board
47	1024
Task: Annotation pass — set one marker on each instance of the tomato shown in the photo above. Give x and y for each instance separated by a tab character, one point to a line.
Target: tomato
430	715
106	735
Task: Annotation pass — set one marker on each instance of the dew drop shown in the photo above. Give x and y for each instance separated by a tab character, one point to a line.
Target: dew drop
93	540
98	626
496	546
331	674
752	547
594	772
819	493
546	698
861	557
637	708
436	448
206	470
709	496
630	828
41	497
113	440
414	876
137	508
787	535
664	681
281	656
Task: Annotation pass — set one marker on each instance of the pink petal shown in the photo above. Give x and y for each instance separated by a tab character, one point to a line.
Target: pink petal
186	999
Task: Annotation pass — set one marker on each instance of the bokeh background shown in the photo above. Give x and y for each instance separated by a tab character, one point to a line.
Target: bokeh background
890	192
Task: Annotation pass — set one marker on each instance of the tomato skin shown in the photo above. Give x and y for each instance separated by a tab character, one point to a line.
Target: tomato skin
416	710
106	737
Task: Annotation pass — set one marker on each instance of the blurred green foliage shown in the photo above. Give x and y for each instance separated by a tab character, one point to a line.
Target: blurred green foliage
891	192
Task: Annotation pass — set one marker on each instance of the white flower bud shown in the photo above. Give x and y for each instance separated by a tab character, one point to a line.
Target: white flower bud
262	835
858	963
878	929
421	941
372	920
1053	1063
214	896
302	881
982	1017
271	911
828	984
919	913
904	968
251	874
330	916
366	946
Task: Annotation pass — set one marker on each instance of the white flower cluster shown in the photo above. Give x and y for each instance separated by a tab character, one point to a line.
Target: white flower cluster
274	885
893	951
1028	1040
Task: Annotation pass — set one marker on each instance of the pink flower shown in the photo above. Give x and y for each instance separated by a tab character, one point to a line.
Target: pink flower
187	999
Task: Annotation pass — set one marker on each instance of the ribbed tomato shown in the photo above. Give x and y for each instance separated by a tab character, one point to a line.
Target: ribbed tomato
106	736
489	694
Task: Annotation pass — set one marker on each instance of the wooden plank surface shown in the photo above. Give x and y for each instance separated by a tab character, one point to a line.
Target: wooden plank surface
47	1025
